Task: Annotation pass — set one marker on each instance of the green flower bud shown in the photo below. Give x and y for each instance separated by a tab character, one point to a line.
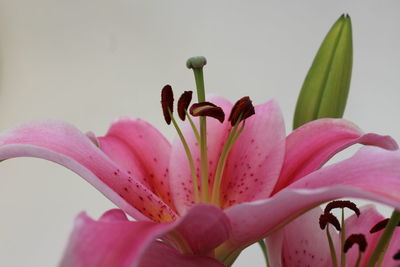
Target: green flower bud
326	86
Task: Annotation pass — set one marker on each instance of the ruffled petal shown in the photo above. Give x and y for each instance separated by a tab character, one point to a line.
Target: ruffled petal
113	240
309	147
256	158
64	144
140	148
180	175
355	177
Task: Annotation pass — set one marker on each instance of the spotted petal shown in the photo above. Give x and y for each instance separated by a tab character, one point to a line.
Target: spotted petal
64	144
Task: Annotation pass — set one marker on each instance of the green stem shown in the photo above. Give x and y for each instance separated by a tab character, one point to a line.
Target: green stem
343	240
190	158
358	260
265	252
198	75
196	132
331	248
380	249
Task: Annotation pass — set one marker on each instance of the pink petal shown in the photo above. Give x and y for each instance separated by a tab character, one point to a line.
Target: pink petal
354	177
64	144
304	243
309	147
140	148
180	175
361	225
256	158
113	240
162	255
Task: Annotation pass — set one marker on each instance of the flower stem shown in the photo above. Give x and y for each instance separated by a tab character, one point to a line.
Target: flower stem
343	240
197	64
331	248
380	249
265	252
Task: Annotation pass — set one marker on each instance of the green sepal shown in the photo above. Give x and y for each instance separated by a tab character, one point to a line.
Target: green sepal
326	86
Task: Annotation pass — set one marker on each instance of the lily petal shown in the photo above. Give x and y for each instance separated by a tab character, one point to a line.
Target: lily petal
304	243
309	147
162	255
134	243
393	248
256	158
180	175
64	144
355	177
147	146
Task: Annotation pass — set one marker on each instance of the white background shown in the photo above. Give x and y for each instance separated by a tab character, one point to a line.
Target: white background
90	61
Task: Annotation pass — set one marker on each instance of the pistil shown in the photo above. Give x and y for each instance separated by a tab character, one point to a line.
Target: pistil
197	64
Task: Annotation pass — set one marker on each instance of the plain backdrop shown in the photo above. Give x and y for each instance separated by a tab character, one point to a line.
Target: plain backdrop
90	61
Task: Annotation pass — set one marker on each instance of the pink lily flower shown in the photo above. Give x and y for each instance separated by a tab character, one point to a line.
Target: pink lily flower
300	243
268	180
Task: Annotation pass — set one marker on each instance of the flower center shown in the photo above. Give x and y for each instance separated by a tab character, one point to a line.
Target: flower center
240	112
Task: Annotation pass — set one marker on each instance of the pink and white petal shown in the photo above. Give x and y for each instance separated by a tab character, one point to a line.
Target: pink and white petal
361	225
304	243
309	147
64	144
274	243
393	249
132	242
180	175
355	177
256	158
150	149
160	254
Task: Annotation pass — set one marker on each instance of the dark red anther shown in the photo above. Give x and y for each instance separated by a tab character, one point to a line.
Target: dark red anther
183	104
207	109
167	102
342	204
326	218
397	255
355	239
242	109
380	226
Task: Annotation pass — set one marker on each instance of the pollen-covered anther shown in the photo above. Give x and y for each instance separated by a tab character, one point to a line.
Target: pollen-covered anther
167	102
342	204
397	255
242	109
183	104
380	226
326	218
207	109
355	239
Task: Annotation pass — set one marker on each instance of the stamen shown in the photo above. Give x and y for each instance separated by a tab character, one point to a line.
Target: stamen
355	239
167	102
207	109
362	245
242	109
183	104
342	204
397	256
380	226
326	218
